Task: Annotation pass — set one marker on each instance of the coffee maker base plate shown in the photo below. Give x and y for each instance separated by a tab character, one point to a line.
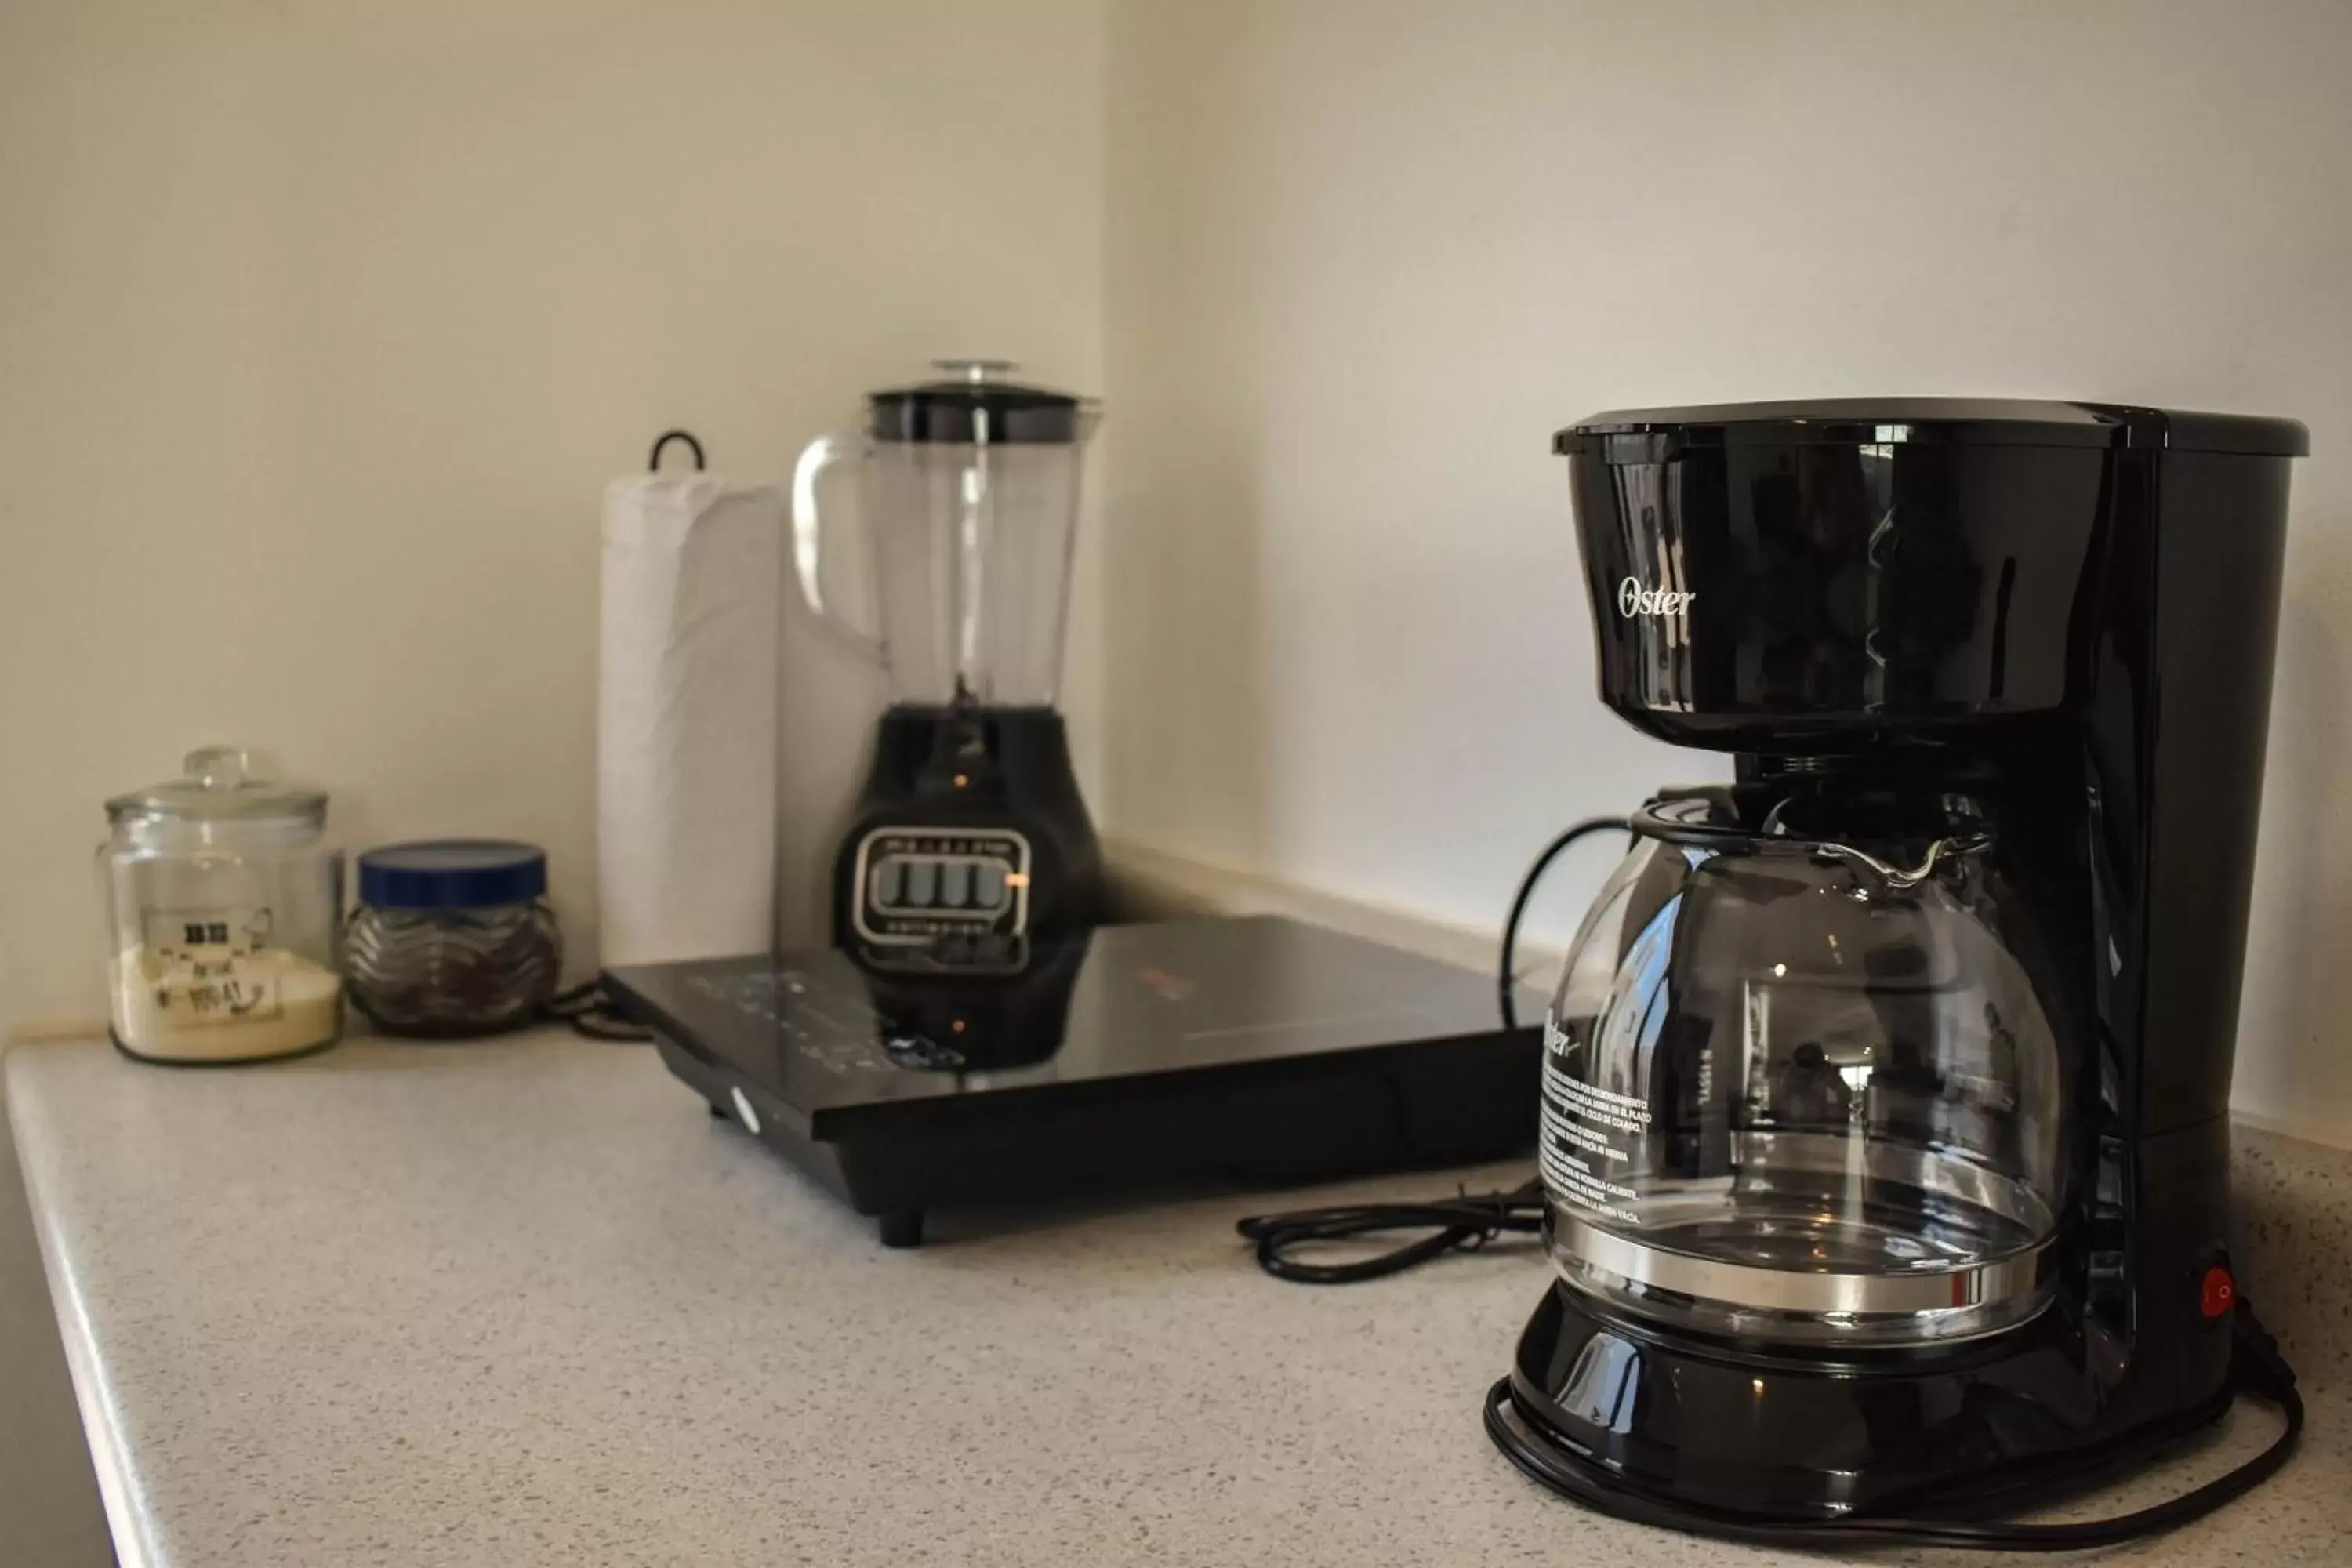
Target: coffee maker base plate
1694	1435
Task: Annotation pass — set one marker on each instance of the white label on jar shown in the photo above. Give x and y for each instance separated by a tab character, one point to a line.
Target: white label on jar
201	971
1581	1132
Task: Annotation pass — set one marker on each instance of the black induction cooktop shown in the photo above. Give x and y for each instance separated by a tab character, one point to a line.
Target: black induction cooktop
1255	1049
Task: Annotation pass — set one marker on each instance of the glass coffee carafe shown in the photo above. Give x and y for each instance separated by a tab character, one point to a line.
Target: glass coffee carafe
969	507
1802	1088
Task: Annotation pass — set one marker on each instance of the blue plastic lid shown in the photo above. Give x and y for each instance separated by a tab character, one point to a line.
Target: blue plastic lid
453	874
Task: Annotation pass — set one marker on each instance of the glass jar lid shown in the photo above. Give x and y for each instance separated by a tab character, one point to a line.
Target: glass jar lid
453	874
216	787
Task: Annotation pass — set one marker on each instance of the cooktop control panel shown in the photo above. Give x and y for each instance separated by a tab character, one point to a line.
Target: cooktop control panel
916	885
832	1026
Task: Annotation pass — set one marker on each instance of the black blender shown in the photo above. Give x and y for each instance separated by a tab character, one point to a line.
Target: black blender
976	1032
970	838
1885	1119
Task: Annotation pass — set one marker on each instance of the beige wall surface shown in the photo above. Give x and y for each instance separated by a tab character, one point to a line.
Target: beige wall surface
323	326
1365	258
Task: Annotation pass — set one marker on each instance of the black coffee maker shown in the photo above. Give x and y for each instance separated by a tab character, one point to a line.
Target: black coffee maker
1885	1137
970	833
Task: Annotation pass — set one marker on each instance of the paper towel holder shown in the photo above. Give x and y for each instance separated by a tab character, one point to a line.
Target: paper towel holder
653	462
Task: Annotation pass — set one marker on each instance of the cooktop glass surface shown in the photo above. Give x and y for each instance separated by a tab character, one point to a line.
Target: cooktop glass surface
826	1032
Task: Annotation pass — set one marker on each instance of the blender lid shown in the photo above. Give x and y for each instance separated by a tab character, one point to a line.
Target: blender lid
1650	435
217	788
969	405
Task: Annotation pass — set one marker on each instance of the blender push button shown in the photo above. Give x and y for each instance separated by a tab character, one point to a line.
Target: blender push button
922	882
955	883
987	885
887	879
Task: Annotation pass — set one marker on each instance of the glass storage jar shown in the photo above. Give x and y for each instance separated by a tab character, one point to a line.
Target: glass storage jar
452	937
1805	1088
223	901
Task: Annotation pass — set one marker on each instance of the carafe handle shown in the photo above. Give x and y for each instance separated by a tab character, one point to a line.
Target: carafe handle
808	538
1902	878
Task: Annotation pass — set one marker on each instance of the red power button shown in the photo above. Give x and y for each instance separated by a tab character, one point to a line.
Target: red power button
2217	1292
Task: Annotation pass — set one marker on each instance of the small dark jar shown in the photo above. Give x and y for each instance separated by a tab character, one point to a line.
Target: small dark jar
452	937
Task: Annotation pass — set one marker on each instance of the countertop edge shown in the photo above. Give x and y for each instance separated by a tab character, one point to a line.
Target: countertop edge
100	1432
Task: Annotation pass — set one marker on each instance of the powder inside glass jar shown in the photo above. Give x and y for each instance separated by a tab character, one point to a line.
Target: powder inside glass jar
268	1002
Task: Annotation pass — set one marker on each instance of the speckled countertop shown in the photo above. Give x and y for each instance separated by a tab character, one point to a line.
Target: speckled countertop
525	1303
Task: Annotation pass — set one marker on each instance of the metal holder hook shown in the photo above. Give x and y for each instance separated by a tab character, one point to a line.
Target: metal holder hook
652	463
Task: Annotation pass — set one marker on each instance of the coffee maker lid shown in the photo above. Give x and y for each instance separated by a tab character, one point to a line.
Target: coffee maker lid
1647	435
972	405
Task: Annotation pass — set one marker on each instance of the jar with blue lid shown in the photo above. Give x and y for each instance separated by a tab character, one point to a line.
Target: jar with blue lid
452	937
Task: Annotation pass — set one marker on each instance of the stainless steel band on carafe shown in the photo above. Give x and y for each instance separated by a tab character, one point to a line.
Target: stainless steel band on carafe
1883	1127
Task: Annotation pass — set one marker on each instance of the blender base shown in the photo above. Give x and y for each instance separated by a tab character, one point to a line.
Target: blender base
1890	1446
970	832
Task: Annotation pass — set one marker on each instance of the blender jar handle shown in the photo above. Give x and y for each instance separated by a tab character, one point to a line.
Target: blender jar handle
808	538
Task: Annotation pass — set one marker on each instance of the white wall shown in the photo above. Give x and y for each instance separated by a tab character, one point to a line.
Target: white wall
1366	256
323	326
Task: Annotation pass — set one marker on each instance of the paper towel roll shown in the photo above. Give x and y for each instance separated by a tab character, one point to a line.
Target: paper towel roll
686	722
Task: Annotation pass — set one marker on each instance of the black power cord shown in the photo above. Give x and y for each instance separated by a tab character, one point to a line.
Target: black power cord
1466	1220
1505	981
2256	1368
590	1010
1470	1220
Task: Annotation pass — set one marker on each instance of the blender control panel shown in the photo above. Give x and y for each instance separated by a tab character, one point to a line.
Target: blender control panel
916	885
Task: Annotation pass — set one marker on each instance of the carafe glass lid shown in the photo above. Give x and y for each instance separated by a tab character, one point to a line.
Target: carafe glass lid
971	403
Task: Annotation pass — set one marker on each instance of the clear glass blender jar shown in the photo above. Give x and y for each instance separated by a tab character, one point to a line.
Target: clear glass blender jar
1803	1088
223	899
969	506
